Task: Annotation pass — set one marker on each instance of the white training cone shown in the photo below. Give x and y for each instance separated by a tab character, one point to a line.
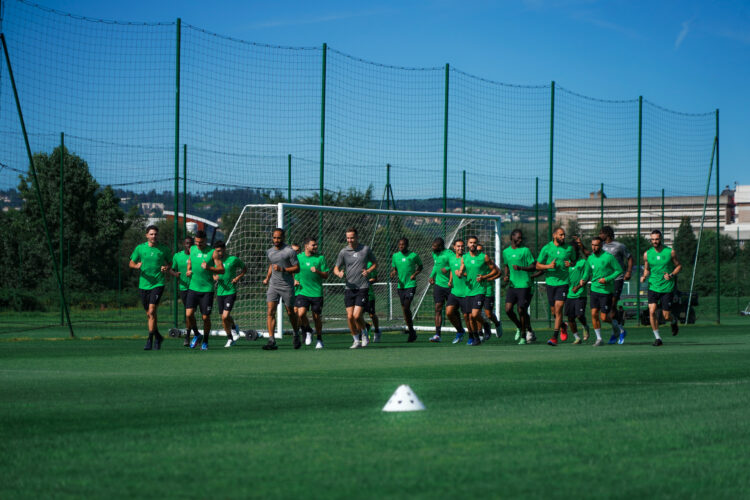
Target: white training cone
404	399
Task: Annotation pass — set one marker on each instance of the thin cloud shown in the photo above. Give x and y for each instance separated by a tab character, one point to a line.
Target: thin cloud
283	23
737	36
682	35
587	17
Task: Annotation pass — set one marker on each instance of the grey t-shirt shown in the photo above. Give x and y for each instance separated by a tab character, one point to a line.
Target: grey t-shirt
620	253
284	257
355	260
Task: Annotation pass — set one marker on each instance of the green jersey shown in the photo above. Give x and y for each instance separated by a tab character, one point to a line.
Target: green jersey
460	289
311	283
558	275
577	272
441	261
522	257
151	259
405	266
660	263
295	276
474	266
232	266
372	276
202	279
603	266
179	264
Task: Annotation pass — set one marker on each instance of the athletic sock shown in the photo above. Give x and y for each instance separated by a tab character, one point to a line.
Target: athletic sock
575	335
461	330
319	336
437	330
656	334
598	333
356	338
487	329
615	326
555	334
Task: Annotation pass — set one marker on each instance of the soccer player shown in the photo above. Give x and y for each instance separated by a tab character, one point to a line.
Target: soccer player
489	306
575	303
440	281
456	304
555	258
226	291
518	264
312	271
370	308
351	261
179	270
478	268
152	260
201	289
604	270
280	280
304	326
406	266
660	267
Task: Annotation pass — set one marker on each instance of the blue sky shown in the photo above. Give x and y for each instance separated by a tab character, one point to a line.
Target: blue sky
688	56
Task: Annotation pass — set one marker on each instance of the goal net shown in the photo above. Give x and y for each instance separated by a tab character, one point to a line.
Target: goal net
380	229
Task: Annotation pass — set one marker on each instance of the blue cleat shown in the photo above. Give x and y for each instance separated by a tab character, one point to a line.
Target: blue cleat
459	337
204	346
470	341
195	340
613	339
621	338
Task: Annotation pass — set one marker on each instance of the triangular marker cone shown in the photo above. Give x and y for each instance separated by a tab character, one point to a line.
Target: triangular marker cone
404	399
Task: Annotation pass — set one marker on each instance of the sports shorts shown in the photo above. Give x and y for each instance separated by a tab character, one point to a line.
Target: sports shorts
204	300
314	304
575	308
226	302
520	296
183	296
370	307
440	294
356	297
406	294
663	299
461	302
152	296
489	303
617	291
276	295
601	301
475	302
556	294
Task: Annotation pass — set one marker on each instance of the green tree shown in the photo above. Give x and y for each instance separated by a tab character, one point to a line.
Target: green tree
685	241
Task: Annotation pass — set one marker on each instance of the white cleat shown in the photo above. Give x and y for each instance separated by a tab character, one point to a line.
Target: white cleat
319	345
365	340
235	336
229	343
356	344
376	337
308	338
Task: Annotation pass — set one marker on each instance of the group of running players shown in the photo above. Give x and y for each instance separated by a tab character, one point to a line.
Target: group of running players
462	278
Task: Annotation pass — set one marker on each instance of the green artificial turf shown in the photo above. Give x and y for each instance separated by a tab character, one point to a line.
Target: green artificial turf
103	418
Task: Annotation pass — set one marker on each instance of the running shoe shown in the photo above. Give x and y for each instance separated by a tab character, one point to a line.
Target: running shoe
186	342
365	339
376	336
552	341
459	337
296	341
598	342
356	345
518	335
621	338
270	346
657	343
147	347
577	341
229	343
204	346
319	345
522	341
564	331
195	341
613	339
470	341
585	334
308	338
435	338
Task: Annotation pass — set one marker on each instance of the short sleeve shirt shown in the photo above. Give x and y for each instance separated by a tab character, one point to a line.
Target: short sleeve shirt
202	279
283	257
372	276
405	266
179	264
151	259
558	275
603	266
660	263
310	283
441	260
224	285
620	253
577	272
459	288
354	261
520	256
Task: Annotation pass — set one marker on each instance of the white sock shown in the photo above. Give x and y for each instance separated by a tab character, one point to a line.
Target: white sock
356	338
656	334
598	333
575	335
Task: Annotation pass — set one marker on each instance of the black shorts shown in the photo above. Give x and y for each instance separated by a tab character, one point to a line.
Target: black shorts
226	302
520	296
475	302
152	296
183	296
556	294
663	299
601	301
617	291
489	303
370	307
440	294
356	297
204	300
315	304
406	294
575	308
461	302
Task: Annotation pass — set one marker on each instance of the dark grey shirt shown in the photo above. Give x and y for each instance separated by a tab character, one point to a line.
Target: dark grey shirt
620	253
355	260
284	257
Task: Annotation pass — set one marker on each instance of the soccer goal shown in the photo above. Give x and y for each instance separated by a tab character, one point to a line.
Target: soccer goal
380	229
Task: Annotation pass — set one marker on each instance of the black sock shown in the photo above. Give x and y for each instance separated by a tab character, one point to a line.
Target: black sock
437	330
319	336
555	334
487	329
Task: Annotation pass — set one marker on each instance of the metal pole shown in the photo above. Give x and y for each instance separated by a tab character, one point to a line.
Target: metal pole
184	192
638	255
550	219
62	220
601	205
662	211
32	169
445	140
536	245
322	140
737	272
718	228
463	194
176	160
289	178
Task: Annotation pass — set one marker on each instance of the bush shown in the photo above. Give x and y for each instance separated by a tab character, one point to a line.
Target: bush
18	300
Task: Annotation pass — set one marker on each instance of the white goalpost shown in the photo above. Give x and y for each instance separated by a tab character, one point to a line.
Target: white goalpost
380	229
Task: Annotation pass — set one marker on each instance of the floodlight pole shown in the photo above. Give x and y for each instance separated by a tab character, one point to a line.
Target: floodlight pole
176	162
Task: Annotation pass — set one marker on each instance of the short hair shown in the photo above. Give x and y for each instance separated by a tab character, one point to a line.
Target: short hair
472	236
220	244
351	230
457	240
558	228
656	231
200	234
608	231
308	240
405	240
152	227
188	238
596	238
280	229
439	241
516	231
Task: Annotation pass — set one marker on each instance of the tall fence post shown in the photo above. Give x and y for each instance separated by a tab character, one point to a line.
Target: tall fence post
536	245
289	178
184	192
176	160
601	205
322	140
638	224
718	228
445	140
662	211
62	220
551	159
463	193
35	180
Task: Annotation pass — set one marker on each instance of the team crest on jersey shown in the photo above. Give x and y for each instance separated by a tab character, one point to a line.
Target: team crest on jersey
658	257
403	260
307	264
355	254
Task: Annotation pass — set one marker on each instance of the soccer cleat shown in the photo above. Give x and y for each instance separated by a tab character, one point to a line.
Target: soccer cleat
530	337
470	341
518	335
577	341
296	341
522	341
308	338
234	335
459	337
435	338
552	341
499	330
204	346
621	338
186	343
356	345
147	347
412	336
229	343
319	344
675	328
271	345
376	336
598	342
564	332
585	334
613	339
195	341
365	339
158	339
657	343
563	336
487	336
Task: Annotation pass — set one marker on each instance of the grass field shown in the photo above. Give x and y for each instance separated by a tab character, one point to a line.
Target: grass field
103	418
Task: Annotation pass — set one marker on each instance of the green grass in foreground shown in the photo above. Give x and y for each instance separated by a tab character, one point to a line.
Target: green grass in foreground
104	418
